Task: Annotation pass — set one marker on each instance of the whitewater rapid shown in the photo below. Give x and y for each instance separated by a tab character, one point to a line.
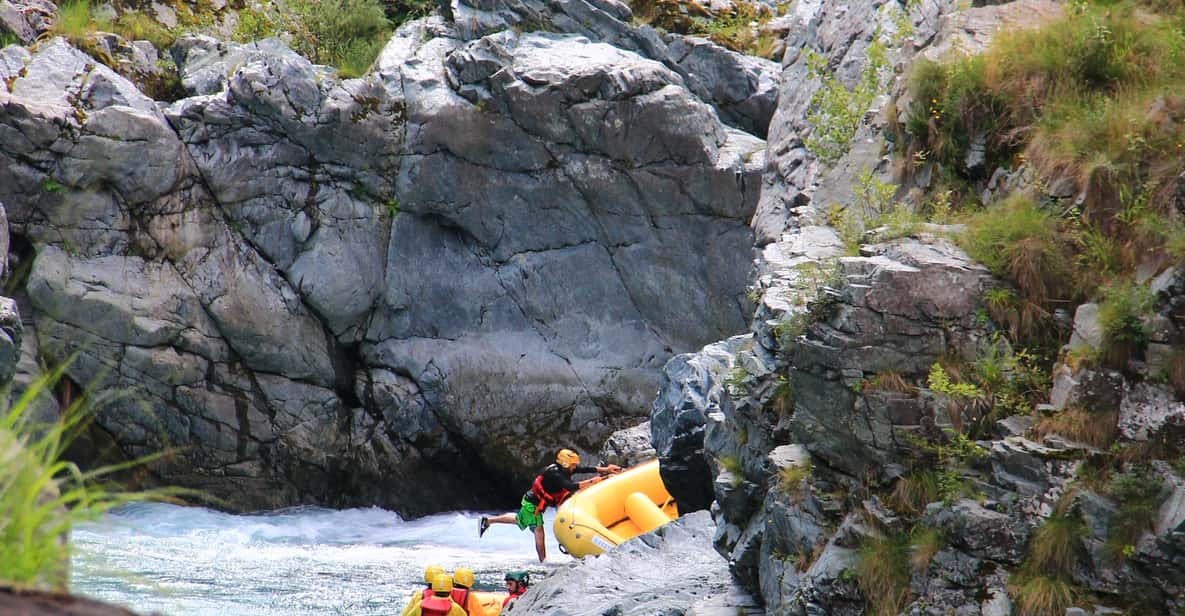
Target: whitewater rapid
190	561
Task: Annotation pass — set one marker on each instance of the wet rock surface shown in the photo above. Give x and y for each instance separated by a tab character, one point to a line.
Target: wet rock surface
671	571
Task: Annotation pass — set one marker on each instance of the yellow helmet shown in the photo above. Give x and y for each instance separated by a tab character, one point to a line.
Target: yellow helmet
430	573
567	458
442	584
463	576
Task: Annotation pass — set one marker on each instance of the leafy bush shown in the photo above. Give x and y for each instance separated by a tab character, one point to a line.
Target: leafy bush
348	34
8	38
835	110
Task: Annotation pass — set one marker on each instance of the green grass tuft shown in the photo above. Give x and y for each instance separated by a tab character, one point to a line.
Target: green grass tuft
1138	493
74	19
1021	243
1122	311
43	496
348	34
1040	595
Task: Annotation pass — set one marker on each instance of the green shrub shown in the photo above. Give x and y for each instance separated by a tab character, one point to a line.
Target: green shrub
1122	311
254	25
348	34
8	38
836	111
1138	493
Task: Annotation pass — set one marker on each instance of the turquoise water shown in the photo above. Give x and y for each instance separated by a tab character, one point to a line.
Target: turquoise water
183	561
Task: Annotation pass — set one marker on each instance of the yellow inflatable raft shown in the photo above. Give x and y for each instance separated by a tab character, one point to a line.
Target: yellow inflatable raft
623	506
491	603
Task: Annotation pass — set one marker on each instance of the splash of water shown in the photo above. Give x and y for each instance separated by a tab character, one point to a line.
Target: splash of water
186	561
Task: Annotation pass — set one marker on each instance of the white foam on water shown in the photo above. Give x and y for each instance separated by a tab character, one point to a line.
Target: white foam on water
184	561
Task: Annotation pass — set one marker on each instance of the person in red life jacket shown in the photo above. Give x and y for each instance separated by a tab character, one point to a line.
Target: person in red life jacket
462	582
516	584
551	487
430	573
441	602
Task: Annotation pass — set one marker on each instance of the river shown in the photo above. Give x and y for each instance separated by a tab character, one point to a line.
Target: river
191	561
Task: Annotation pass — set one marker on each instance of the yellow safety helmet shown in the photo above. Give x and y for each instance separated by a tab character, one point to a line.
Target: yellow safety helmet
442	584
463	576
567	458
430	573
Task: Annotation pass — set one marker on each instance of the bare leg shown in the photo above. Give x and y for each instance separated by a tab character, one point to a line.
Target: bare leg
540	543
505	518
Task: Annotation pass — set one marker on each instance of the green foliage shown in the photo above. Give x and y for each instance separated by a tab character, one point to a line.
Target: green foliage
814	301
835	110
1056	545
1122	311
347	34
8	38
51	186
1021	243
254	25
939	382
873	196
792	476
847	226
736	377
393	208
883	570
739	28
733	465
74	19
43	496
1138	493
136	26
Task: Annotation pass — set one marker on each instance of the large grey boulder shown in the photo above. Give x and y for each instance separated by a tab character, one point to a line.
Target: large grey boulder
27	19
671	571
582	162
480	252
742	88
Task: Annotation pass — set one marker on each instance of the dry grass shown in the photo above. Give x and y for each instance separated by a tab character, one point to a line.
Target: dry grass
1098	430
926	542
791	477
883	572
1039	595
911	493
1056	545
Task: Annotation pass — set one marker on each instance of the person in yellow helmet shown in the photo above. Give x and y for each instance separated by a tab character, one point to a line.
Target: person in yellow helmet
440	603
551	487
462	583
430	573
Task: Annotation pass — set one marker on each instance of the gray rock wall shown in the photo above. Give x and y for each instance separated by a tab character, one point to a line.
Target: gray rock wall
315	289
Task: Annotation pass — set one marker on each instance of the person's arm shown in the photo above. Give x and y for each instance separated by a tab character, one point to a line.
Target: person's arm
611	469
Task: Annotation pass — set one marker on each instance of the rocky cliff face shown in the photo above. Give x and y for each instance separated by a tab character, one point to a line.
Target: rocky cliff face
812	438
316	288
